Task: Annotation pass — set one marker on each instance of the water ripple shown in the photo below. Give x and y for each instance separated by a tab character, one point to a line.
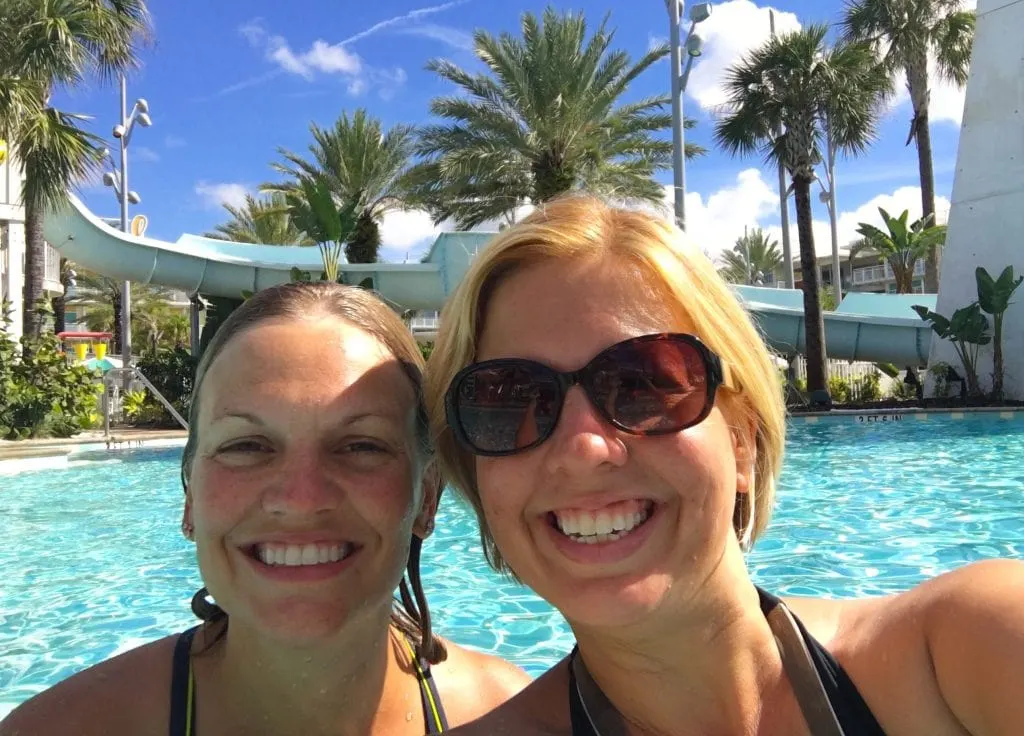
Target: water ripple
94	563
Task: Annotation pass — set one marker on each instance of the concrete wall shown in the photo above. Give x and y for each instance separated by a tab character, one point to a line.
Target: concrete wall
986	222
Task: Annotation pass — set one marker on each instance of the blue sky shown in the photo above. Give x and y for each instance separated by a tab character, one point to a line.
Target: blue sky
231	82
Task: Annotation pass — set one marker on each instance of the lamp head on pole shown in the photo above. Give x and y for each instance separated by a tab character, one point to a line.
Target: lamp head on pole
694	45
700	12
134	198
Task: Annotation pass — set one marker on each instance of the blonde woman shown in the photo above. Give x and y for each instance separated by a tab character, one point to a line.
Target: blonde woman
308	493
604	402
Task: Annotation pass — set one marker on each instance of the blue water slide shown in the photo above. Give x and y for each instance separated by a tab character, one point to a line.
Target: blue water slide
870	327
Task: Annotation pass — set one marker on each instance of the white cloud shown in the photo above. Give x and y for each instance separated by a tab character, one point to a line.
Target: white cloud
406	234
734	28
173	141
445	34
715	222
144	154
905	198
215	195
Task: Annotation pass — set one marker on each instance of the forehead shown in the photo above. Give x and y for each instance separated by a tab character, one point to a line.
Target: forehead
311	361
563	313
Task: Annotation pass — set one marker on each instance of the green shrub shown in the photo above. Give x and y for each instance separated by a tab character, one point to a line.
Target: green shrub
866	388
426	348
941	385
41	394
172	372
838	389
902	391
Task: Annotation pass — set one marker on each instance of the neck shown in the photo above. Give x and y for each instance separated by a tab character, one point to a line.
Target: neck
705	663
355	684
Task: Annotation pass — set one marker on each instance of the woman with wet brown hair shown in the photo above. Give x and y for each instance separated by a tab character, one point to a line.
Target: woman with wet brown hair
309	488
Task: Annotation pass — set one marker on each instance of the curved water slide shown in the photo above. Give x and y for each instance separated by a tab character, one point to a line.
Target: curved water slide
870	327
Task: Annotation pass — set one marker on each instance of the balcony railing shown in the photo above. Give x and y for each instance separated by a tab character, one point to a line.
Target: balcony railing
881	272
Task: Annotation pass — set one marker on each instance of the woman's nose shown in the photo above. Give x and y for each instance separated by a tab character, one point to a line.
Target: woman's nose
302	485
583	439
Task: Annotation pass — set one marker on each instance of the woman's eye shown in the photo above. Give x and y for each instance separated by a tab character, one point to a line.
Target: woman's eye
363	447
243	446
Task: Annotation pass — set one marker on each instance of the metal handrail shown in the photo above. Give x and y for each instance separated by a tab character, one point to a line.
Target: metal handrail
133	372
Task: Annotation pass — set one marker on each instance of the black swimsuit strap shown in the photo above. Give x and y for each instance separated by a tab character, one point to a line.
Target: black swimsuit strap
183	696
851	711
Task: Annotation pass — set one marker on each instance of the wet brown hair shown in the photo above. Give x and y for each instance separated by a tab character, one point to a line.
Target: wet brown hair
361	309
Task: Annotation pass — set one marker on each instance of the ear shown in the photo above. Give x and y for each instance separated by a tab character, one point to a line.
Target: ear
187	528
744	447
432	485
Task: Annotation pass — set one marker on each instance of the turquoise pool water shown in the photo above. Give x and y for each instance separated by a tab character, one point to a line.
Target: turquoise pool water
93	562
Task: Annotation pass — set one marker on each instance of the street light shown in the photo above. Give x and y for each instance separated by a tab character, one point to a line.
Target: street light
694	46
117	179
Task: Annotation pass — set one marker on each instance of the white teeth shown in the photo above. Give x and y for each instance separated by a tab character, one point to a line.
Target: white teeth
602	526
586	525
296	555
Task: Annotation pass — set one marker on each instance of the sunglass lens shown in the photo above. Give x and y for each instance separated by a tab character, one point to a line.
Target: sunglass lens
652	386
509	407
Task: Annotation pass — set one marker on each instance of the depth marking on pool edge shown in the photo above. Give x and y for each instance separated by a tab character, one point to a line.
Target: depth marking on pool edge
957	415
811	420
922	417
1006	415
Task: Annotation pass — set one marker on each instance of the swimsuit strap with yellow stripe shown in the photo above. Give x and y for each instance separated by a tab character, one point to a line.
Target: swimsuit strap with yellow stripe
433	713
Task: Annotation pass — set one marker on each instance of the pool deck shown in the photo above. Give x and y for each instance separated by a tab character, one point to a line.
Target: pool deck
54	451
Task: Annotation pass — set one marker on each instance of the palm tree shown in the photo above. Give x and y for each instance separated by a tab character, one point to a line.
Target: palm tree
546	119
754	255
263	220
905	33
798	84
44	45
100	297
903	246
360	163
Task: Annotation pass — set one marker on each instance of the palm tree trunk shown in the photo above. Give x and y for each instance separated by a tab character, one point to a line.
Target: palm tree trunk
364	243
817	374
917	86
116	305
59	302
924	162
35	268
551	178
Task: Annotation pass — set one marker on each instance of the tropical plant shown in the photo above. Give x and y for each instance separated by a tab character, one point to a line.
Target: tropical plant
546	117
796	83
967	329
362	166
264	220
40	392
902	245
313	208
43	46
100	298
905	34
754	256
994	298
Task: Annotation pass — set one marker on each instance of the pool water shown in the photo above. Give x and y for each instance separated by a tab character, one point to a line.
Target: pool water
94	563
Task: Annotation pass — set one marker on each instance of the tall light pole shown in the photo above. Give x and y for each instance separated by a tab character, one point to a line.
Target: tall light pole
123	132
787	250
693	47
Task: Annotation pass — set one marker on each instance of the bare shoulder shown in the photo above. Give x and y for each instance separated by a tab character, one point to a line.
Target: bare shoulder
471	683
540	709
125	694
945	654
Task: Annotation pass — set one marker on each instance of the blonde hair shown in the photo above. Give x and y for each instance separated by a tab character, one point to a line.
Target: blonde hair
584	228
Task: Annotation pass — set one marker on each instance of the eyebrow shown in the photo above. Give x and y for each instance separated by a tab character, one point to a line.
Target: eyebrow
348	420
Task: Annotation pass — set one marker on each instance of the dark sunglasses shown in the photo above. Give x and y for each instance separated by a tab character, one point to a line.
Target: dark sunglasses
649	385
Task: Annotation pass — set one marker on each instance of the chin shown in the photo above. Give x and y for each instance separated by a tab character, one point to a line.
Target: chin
612	602
299	623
